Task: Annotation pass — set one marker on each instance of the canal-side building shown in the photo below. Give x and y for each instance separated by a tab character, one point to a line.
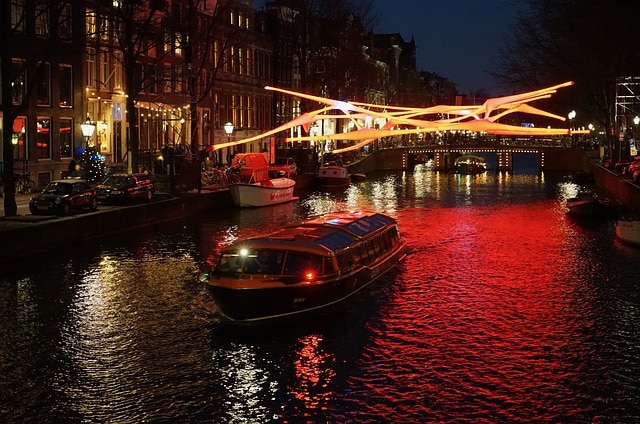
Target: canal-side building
45	43
199	70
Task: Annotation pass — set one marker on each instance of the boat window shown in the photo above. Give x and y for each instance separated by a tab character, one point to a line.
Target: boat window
386	242
263	261
300	263
329	269
230	262
345	261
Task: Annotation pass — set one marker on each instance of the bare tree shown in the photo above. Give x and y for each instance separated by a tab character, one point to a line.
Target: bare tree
591	42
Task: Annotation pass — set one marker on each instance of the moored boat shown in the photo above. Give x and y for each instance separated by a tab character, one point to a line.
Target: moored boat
470	164
333	177
256	188
628	229
588	204
304	267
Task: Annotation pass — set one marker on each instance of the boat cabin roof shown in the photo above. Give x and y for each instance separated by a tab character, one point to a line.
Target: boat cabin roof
323	235
470	159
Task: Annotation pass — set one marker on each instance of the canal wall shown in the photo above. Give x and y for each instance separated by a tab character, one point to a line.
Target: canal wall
622	191
30	235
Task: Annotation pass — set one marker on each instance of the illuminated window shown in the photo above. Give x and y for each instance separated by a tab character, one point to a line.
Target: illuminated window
66	137
43	138
19	85
91	23
42	17
19	138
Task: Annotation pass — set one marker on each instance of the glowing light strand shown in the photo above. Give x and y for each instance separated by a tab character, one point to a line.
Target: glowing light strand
476	118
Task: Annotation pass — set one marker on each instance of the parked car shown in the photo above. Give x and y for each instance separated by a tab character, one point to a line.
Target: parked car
63	196
284	166
123	188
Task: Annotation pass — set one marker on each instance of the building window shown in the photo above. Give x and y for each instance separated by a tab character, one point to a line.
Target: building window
66	137
43	85
19	138
17	16
19	84
91	23
64	22
91	72
43	138
117	71
42	18
104	73
65	80
177	44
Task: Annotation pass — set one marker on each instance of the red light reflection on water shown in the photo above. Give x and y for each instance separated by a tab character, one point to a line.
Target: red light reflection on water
314	371
486	305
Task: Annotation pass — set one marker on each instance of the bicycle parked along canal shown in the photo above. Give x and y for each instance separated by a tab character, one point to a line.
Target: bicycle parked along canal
24	183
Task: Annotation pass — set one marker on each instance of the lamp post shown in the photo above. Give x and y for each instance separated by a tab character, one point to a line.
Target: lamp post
571	116
88	129
228	128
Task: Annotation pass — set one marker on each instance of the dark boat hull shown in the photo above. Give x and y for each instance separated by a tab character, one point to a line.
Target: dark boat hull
589	207
250	304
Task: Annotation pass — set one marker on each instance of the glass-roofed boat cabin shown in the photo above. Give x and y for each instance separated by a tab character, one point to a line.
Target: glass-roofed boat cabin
333	245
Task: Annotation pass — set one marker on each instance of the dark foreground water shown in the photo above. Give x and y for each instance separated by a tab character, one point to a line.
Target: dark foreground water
504	311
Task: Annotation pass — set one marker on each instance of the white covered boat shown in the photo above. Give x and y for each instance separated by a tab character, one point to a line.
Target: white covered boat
628	229
255	188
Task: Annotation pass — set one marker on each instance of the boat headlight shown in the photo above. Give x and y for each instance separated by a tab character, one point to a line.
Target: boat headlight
244	252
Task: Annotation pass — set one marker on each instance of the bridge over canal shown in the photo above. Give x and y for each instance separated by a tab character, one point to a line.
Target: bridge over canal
405	158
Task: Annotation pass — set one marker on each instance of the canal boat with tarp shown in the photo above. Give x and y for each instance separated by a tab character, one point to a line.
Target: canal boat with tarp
305	266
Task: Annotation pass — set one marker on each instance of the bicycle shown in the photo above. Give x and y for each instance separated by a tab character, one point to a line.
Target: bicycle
24	183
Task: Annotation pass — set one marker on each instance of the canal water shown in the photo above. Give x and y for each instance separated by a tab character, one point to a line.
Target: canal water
505	310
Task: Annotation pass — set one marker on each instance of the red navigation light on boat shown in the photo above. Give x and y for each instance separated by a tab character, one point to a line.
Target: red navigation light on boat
309	276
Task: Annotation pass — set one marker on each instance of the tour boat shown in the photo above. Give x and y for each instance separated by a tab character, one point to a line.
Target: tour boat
587	204
333	177
628	229
255	188
470	164
305	266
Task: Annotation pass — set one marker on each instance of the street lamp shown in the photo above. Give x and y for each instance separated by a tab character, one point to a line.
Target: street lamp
571	116
88	129
228	128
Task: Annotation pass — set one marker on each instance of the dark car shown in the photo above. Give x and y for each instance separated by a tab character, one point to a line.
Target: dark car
63	196
123	188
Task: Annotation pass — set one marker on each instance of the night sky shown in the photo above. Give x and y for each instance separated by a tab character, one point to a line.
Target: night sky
456	39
